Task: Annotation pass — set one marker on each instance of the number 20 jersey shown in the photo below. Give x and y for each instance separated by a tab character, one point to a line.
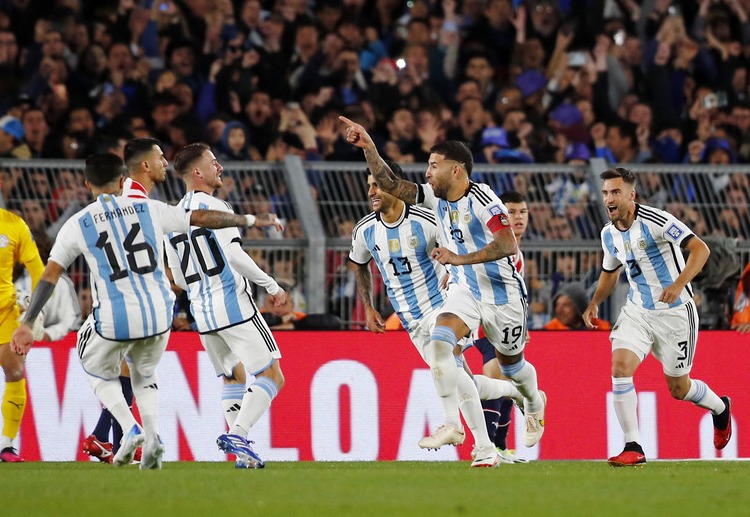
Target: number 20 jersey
219	296
121	240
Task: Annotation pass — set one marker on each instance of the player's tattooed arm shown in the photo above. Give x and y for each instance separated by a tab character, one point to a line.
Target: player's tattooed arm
503	245
216	219
364	287
387	181
364	282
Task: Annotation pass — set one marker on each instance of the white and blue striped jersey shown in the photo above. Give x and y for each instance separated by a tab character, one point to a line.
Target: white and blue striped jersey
650	252
463	227
199	259
402	254
121	240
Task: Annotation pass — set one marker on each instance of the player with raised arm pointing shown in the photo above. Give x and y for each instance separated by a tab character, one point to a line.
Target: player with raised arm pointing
484	286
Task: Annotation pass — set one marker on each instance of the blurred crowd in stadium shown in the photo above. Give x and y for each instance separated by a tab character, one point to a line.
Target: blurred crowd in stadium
521	81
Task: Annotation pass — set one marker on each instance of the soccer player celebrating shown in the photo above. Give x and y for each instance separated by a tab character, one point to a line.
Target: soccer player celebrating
659	316
400	238
121	241
484	287
147	167
16	245
214	270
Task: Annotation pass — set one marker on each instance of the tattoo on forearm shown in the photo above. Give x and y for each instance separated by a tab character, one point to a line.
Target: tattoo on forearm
493	251
404	190
215	219
364	284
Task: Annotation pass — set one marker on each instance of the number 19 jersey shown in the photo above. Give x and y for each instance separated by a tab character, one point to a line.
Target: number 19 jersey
219	296
121	240
464	229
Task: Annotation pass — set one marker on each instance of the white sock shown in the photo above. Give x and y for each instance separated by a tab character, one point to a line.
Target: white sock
489	388
146	391
702	396
442	363
471	409
625	401
110	394
231	402
523	376
5	442
256	401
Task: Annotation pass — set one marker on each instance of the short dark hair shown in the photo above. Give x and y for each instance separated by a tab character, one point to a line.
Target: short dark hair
396	168
103	168
136	148
619	172
511	196
187	156
457	151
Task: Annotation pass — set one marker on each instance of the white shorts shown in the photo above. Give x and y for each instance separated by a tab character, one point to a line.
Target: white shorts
103	358
671	334
250	342
504	325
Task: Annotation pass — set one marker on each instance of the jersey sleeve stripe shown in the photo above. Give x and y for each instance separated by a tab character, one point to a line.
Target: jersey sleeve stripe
482	197
655	215
651	219
366	219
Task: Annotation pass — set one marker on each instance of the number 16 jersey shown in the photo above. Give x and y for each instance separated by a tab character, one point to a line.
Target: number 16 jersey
121	240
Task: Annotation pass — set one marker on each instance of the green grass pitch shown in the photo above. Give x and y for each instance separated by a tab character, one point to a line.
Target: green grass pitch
548	488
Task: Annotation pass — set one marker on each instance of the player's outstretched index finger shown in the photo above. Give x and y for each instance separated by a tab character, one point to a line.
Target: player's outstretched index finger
347	121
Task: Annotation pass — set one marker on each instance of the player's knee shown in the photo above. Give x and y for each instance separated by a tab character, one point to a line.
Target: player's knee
621	369
678	391
274	374
14	371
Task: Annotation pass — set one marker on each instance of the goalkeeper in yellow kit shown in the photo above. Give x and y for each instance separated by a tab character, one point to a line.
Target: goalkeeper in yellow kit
16	245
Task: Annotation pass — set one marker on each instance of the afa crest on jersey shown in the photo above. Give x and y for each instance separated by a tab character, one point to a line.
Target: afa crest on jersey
413	242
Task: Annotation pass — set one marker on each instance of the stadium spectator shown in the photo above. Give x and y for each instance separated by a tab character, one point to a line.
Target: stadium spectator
741	309
11	139
569	305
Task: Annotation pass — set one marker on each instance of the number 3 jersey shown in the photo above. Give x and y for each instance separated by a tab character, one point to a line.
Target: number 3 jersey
121	240
206	262
402	254
464	229
650	252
